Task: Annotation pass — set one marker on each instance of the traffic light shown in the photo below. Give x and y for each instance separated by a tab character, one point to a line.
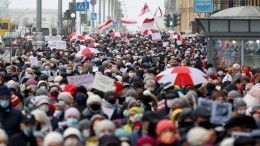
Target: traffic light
176	19
72	8
167	20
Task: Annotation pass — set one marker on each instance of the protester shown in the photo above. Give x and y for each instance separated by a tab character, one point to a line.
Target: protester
131	93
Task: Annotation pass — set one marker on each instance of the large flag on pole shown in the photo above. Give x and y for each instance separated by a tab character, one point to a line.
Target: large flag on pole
106	24
158	9
144	10
147	23
128	22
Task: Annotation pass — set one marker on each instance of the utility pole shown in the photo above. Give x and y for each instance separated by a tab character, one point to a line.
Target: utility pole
60	17
104	10
99	11
93	21
109	7
39	16
113	9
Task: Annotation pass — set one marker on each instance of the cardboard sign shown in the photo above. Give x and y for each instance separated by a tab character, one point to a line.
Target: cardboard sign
34	61
103	83
156	36
221	112
165	44
206	103
59	45
52	38
81	80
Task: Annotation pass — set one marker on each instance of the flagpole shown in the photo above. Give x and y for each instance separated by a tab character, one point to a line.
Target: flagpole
155	20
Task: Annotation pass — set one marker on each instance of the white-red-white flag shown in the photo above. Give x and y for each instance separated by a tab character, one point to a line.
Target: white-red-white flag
147	23
128	22
106	24
144	10
158	9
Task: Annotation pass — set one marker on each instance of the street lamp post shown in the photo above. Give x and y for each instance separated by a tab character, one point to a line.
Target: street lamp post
39	16
60	17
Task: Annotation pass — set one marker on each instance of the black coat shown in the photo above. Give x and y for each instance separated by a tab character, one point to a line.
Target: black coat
20	139
10	120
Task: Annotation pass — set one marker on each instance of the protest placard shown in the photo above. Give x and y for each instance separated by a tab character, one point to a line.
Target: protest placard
34	61
156	36
59	45
221	112
52	38
206	103
81	80
103	83
165	44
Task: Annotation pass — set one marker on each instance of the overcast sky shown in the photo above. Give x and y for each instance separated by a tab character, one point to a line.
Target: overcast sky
133	6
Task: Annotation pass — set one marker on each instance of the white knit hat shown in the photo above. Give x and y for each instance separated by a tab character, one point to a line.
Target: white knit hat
196	136
58	79
71	131
66	96
104	124
53	137
94	98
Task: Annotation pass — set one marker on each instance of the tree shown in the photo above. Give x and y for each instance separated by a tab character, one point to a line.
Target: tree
67	27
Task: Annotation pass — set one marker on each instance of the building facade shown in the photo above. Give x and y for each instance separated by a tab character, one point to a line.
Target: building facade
4	8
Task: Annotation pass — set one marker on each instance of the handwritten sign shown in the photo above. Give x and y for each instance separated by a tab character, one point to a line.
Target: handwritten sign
156	37
81	80
59	45
165	44
34	61
52	38
103	83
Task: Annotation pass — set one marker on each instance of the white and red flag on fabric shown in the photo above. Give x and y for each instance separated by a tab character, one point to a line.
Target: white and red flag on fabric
128	22
106	24
144	10
158	9
147	23
148	31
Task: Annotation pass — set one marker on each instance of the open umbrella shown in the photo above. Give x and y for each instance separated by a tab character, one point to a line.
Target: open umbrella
86	51
94	45
182	75
117	34
76	37
149	31
89	37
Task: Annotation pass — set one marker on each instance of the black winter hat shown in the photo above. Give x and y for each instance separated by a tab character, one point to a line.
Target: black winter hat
5	92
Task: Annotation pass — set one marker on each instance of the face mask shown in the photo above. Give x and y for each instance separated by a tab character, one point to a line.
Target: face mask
69	71
47	67
80	97
72	121
218	88
185	124
52	65
111	101
22	87
150	89
28	131
57	113
95	107
30	107
86	133
43	87
220	73
54	94
44	108
131	75
205	124
241	112
243	74
4	104
125	113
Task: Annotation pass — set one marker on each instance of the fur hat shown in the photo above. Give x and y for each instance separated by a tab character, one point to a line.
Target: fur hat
72	112
104	124
66	96
94	98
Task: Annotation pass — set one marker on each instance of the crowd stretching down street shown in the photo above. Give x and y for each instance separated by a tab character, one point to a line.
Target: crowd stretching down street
128	90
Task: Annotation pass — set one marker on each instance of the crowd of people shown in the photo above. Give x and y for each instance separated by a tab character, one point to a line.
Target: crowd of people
39	107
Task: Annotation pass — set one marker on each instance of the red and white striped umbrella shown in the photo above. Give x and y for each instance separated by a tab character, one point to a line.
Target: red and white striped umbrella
117	34
149	31
86	51
94	45
182	75
76	37
89	37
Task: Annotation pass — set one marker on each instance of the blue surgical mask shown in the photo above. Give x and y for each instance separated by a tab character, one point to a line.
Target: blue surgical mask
80	97
4	103
72	121
28	131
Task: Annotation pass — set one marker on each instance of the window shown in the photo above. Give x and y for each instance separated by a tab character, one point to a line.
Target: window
46	31
3	25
